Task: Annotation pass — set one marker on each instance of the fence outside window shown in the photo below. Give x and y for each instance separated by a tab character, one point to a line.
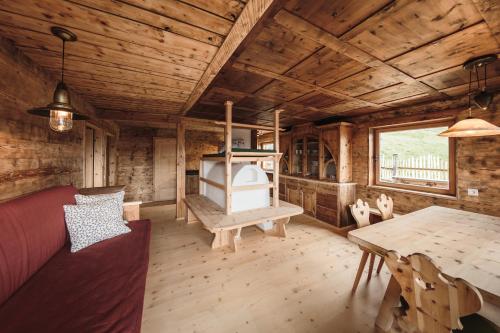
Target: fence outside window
426	170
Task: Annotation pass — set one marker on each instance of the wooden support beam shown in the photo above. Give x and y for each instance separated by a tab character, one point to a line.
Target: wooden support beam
172	118
181	170
228	136
286	79
211	182
276	162
250	16
308	30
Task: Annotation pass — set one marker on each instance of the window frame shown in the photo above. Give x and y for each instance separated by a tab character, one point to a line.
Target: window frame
452	161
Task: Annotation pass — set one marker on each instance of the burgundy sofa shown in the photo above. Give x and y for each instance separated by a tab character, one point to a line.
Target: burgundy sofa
46	288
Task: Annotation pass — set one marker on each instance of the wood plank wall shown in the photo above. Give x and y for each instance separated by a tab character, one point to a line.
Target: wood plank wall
33	157
135	156
478	162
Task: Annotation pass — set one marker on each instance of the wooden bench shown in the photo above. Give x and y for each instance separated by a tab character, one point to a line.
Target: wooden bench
227	228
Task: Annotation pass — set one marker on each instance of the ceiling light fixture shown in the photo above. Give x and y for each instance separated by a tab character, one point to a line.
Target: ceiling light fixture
60	111
471	127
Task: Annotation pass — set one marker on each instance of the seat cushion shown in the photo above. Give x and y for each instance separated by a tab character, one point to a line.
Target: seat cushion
32	230
98	289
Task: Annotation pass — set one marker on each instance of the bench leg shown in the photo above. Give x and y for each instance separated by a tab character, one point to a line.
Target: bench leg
189	217
279	229
229	238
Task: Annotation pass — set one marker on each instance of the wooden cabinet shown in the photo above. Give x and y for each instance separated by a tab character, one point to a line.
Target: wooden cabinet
326	201
318	152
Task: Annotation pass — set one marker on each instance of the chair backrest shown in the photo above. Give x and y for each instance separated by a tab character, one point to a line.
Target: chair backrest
435	302
361	213
385	205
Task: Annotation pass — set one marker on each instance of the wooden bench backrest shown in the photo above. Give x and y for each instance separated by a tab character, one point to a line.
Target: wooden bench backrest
385	205
361	213
435	302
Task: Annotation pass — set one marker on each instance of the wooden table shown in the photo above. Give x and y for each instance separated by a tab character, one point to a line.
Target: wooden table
463	244
227	228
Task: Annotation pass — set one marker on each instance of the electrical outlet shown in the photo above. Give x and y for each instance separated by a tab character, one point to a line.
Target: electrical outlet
472	192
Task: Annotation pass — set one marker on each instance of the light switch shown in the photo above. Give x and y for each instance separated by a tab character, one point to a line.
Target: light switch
472	192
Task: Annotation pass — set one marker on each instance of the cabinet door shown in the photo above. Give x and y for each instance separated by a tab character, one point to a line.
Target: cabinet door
309	202
327	207
295	196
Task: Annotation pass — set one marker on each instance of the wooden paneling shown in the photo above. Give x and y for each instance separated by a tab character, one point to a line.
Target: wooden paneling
447	52
324	67
277	49
336	17
407	24
147	51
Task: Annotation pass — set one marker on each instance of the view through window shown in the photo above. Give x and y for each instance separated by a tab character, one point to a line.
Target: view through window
414	157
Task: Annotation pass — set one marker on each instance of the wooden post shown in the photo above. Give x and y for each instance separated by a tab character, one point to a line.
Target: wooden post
181	171
228	134
276	167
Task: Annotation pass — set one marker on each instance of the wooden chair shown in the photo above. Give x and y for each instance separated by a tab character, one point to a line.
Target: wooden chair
432	302
385	205
361	213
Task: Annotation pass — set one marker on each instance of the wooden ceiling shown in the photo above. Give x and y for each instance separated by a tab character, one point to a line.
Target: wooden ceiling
131	55
141	59
318	59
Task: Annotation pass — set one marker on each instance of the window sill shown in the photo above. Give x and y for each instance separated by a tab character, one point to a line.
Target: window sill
402	190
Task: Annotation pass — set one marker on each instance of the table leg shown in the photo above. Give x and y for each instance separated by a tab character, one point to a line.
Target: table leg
391	300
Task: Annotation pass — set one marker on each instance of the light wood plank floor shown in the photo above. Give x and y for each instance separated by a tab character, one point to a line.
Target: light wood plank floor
298	284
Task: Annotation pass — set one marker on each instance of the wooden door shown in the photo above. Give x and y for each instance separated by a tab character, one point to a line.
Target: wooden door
164	171
89	157
99	155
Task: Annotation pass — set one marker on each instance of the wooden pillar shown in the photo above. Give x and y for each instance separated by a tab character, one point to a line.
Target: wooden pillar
228	135
321	156
344	163
276	167
181	171
253	139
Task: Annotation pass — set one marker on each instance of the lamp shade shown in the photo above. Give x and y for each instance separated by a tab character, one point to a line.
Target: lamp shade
471	127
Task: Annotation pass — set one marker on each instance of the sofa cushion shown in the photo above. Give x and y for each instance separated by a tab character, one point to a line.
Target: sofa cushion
32	230
98	289
115	197
92	223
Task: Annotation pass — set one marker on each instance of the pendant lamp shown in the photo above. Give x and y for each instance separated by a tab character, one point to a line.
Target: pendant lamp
471	127
60	112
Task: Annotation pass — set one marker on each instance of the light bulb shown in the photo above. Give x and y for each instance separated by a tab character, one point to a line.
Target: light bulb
61	121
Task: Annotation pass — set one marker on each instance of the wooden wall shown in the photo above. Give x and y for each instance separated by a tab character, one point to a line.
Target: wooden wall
33	157
135	156
478	161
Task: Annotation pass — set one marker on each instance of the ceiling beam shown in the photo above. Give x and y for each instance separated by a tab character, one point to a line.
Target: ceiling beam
310	31
253	14
286	79
168	118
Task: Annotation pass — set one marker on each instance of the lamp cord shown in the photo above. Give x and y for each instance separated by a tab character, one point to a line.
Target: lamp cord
62	65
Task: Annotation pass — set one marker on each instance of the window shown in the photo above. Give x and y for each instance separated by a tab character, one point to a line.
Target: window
415	157
268	165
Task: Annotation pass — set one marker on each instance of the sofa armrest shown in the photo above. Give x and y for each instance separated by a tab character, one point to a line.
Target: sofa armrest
131	210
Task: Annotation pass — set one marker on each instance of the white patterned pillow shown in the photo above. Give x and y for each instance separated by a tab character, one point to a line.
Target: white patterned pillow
117	197
91	223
